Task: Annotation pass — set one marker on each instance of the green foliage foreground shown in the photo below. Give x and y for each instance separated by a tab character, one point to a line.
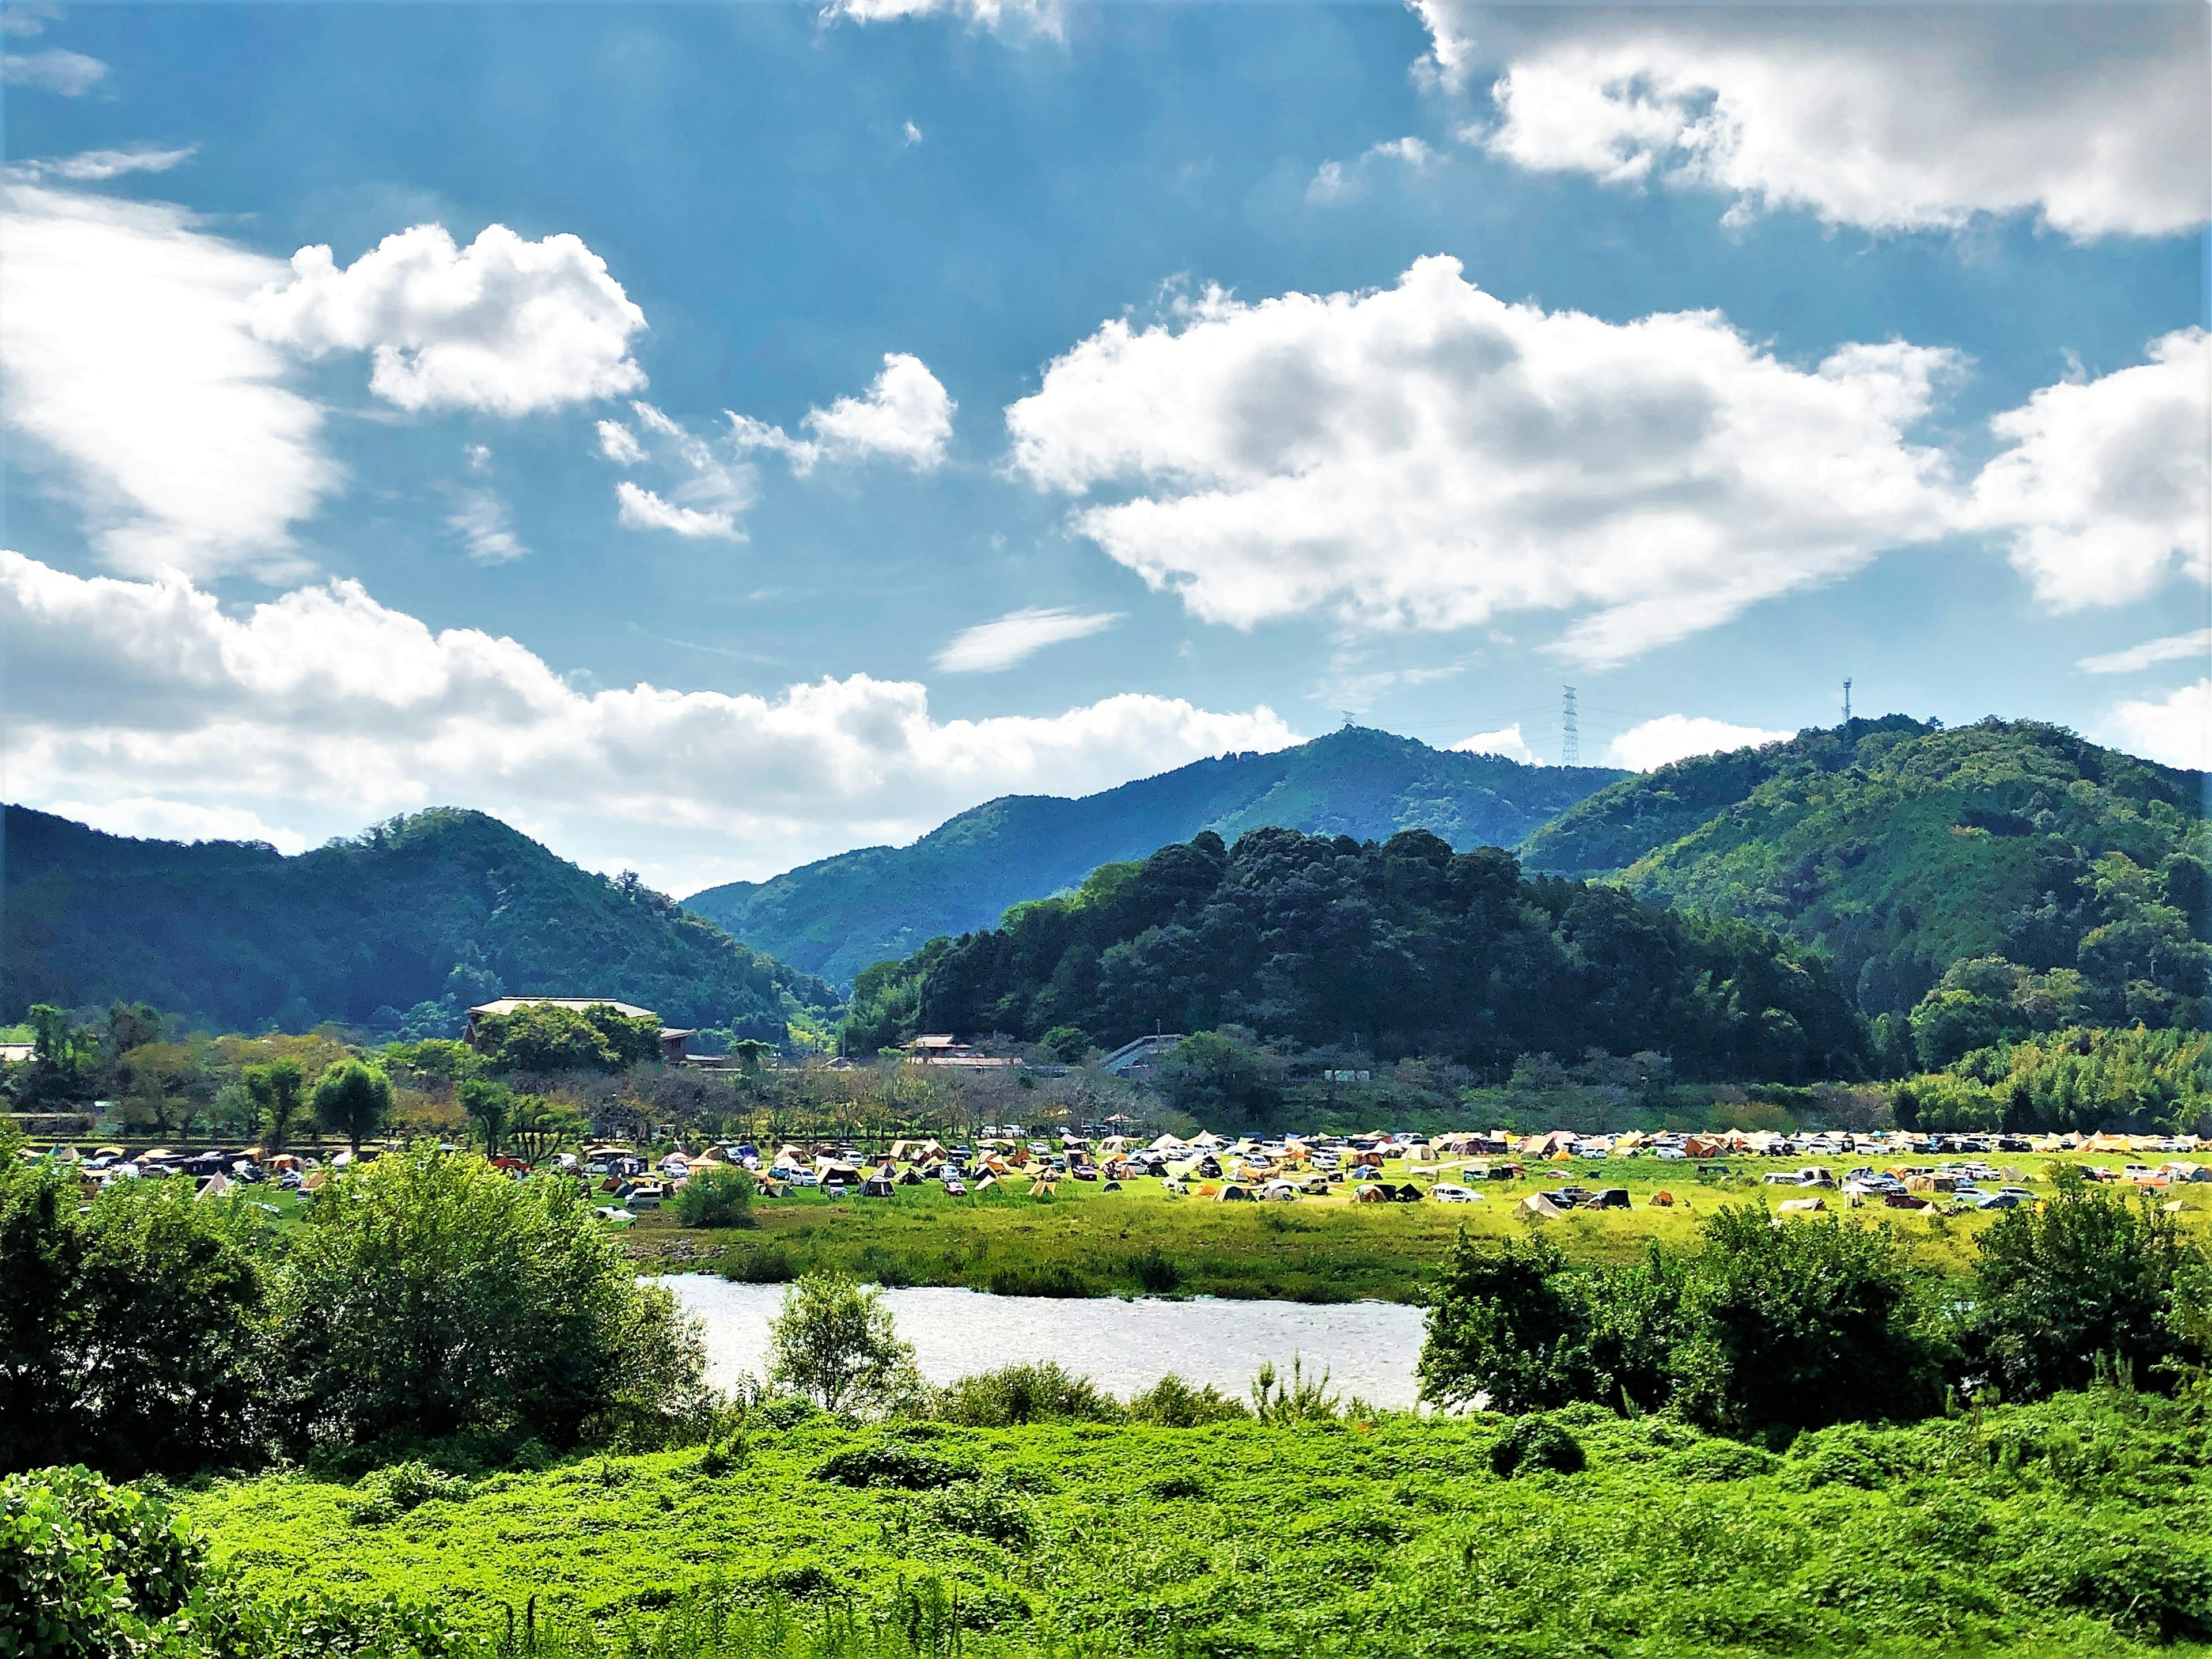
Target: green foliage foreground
2079	1525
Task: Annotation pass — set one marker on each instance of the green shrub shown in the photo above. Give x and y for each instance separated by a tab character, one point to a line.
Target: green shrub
892	1464
1172	1403
757	1264
1058	1280
717	1198
1156	1271
388	1493
1533	1442
90	1570
991	1509
1023	1394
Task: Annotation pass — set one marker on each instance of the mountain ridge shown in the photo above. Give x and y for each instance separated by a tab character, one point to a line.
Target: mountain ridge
399	928
840	914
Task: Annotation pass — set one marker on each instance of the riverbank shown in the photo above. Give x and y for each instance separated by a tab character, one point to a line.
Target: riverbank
1083	1241
2079	1527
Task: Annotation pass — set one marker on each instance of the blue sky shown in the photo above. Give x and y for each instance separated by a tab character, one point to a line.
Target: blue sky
1805	247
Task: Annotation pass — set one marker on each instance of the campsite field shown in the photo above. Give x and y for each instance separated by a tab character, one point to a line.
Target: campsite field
1083	1241
2080	1526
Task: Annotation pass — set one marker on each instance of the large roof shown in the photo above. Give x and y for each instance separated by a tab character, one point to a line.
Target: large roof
508	1005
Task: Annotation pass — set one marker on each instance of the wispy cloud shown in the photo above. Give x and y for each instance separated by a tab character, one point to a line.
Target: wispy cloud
485	523
2198	643
989	647
68	73
641	509
94	166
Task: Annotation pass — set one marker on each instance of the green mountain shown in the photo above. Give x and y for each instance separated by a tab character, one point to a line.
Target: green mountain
399	929
879	904
1395	948
1907	853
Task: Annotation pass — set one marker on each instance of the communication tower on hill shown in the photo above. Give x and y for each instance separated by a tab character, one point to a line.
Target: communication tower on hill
1847	702
1570	738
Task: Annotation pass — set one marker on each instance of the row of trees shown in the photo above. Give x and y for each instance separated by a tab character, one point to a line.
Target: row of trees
1810	1323
424	1298
2083	1077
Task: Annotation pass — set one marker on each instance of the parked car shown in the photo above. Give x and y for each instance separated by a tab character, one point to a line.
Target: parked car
1447	1192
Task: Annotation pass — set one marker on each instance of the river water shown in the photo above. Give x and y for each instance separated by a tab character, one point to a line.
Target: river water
1368	1347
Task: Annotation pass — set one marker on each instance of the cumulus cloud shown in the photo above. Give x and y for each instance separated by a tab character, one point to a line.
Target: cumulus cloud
505	325
1429	457
1677	737
71	74
1341	181
323	710
905	415
641	509
486	527
128	361
97	166
1017	637
2103	492
1045	17
1507	744
2172	648
2094	119
2176	729
176	820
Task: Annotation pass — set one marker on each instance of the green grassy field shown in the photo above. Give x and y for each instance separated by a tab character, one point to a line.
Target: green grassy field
2079	1527
1083	1241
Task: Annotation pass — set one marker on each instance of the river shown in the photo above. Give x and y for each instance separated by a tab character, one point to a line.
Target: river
1368	1347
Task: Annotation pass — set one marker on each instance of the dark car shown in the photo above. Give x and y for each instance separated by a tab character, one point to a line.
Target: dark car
1612	1197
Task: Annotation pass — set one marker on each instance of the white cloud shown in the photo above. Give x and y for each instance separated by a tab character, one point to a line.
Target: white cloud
912	133
176	820
2093	117
27	19
1676	737
619	444
485	523
508	326
1508	743
127	359
2176	729
68	73
1045	17
905	415
2104	490
1340	182
641	509
1429	457
1017	637
96	166
2172	648
322	710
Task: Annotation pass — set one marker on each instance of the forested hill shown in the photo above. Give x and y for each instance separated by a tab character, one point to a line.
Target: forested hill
443	909
1391	948
1903	849
837	916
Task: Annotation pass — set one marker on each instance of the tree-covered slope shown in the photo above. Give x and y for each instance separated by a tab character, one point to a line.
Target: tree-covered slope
444	909
1901	848
835	917
1393	948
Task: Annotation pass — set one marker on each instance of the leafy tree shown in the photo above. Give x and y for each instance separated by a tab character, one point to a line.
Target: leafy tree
129	1339
62	1058
1222	1077
428	1296
836	1342
1809	1323
752	1054
1066	1043
715	1198
130	1025
91	1570
538	1126
353	1100
489	1105
546	1037
2083	1275
279	1092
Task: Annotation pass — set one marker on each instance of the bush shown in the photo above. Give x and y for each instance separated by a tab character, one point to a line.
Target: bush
1059	1281
1023	1394
1157	1271
389	1493
429	1297
1172	1403
128	1335
835	1342
1534	1442
758	1264
892	1464
90	1570
717	1198
990	1508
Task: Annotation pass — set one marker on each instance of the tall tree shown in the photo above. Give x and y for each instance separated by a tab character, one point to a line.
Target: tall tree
279	1090
353	1100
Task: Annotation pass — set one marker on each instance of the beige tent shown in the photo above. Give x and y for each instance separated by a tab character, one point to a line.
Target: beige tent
1537	1207
1801	1206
